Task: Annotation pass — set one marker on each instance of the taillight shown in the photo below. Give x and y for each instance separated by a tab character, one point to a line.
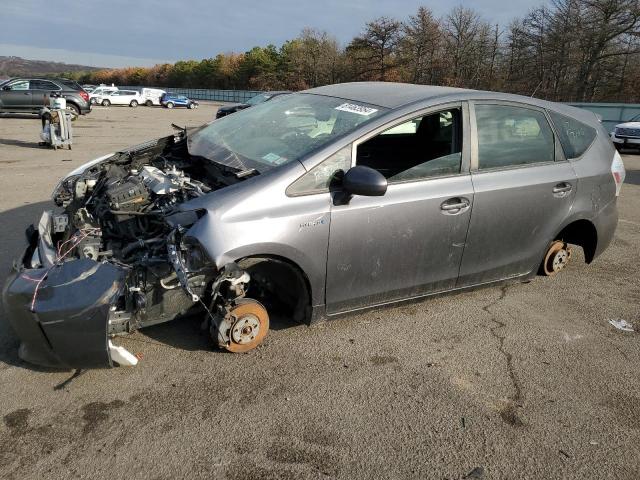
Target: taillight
85	96
618	172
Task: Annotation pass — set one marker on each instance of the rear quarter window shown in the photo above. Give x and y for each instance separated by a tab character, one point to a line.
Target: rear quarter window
575	137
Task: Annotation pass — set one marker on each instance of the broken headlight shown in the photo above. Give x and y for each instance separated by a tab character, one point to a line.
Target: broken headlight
194	256
64	190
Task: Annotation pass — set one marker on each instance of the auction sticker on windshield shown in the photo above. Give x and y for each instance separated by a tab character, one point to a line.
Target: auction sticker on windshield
358	109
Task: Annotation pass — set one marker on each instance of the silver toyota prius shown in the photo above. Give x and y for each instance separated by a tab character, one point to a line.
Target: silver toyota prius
311	205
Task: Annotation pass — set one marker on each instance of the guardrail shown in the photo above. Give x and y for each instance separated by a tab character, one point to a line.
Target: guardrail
611	113
235	96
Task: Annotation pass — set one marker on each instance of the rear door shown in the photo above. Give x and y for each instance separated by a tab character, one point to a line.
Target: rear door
408	242
524	189
40	91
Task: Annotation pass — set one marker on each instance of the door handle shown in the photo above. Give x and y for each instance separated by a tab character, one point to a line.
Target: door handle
27	93
562	189
453	206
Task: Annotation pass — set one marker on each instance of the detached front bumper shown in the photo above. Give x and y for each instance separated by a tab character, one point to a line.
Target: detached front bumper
60	312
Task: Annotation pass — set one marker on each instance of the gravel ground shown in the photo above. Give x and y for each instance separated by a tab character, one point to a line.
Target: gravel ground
524	381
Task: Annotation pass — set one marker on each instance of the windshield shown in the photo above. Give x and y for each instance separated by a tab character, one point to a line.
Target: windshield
636	118
280	131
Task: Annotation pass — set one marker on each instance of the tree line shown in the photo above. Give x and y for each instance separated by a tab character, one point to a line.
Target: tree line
567	50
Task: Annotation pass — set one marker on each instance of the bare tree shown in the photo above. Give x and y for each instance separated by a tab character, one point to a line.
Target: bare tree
373	52
422	47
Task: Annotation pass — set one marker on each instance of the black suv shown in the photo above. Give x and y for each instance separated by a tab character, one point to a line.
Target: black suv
29	95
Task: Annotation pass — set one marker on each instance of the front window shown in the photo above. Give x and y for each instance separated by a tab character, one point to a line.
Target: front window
280	131
19	85
423	147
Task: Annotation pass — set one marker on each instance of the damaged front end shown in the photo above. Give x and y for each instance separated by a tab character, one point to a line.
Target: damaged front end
117	257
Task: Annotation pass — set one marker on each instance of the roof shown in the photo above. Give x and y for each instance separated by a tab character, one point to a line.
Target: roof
385	94
395	95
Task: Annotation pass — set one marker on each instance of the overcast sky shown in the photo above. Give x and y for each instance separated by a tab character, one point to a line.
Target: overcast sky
115	33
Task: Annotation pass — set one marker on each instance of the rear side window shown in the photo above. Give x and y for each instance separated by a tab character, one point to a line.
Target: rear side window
510	136
71	84
43	85
575	136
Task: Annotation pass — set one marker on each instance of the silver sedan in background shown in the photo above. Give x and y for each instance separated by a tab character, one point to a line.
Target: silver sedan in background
312	205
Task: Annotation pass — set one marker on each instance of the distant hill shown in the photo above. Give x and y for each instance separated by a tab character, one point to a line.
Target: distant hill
17	67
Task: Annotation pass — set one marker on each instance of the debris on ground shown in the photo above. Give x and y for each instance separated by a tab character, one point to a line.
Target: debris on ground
621	324
477	472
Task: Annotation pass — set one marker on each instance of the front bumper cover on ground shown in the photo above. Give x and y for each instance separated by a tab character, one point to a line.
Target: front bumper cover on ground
62	321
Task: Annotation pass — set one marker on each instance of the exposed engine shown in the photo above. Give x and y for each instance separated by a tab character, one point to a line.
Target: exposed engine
124	211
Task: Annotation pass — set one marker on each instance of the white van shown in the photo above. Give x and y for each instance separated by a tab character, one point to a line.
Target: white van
97	95
151	96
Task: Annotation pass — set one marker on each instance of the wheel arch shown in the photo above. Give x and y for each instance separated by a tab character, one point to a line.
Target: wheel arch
286	273
75	104
581	232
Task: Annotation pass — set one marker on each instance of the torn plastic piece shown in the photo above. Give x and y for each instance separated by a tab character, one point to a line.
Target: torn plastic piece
122	356
622	325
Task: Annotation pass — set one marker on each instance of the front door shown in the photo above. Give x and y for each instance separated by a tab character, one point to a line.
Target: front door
16	95
408	242
524	189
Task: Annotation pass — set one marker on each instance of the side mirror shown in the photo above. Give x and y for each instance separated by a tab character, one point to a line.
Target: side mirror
6	88
366	181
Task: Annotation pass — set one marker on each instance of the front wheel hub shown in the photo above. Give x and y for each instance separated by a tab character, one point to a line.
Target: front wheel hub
245	329
249	324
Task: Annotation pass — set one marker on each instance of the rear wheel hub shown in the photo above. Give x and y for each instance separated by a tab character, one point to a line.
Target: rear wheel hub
557	258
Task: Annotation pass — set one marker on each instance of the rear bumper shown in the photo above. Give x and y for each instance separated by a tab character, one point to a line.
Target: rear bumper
605	222
62	320
84	109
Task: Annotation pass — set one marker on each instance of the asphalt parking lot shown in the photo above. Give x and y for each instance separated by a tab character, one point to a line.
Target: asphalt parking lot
523	381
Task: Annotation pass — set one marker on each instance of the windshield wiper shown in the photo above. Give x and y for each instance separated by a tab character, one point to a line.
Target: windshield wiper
246	173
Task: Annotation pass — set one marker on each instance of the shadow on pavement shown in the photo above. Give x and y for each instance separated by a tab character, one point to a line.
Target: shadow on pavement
633	177
19	143
22	116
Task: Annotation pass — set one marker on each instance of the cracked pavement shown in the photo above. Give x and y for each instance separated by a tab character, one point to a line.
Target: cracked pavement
509	412
521	381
